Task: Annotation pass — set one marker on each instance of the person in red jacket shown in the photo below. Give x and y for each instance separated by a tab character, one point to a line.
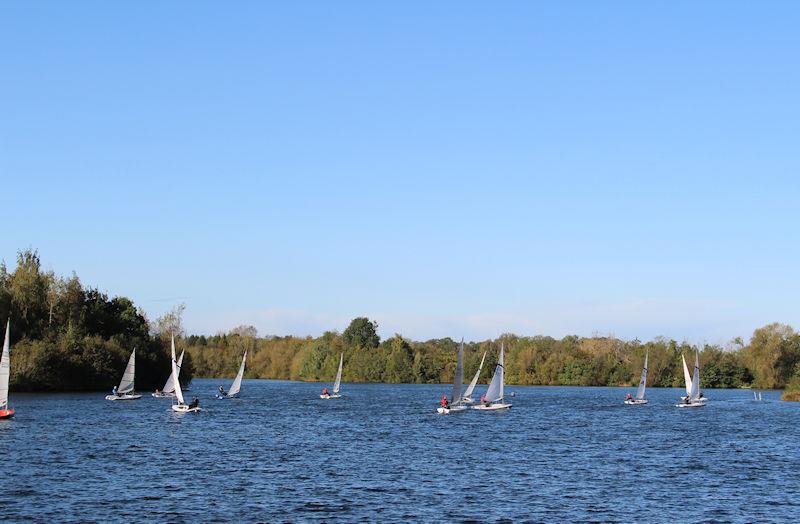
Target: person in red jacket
325	391
445	403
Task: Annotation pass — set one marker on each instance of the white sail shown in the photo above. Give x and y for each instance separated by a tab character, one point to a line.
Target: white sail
126	384
459	376
175	373
642	381
169	387
471	387
495	391
687	378
5	369
237	382
694	394
338	382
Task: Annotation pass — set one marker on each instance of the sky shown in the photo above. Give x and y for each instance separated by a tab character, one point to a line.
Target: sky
444	168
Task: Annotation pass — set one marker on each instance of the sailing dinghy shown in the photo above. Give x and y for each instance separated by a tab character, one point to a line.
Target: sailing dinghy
237	382
455	404
125	389
181	406
639	399
168	390
336	384
694	395
492	400
467	397
5	375
687	378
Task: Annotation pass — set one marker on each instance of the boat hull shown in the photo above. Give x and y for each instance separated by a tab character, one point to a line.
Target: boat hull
161	394
328	397
691	405
6	413
635	402
492	407
467	400
701	399
183	408
451	409
123	397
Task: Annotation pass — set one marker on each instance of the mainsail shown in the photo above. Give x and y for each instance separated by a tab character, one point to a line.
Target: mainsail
126	384
495	391
642	381
175	372
687	378
459	378
5	369
237	382
338	382
694	394
169	387
471	387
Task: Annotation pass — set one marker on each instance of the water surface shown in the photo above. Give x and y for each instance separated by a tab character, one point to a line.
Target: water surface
382	454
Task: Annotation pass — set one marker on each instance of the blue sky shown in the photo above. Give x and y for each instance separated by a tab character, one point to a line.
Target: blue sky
446	168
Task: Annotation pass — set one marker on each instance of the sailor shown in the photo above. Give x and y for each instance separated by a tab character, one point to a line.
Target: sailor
325	391
114	391
628	397
484	401
195	403
445	403
221	391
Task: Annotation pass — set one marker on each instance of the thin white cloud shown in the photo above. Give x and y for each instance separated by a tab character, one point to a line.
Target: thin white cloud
694	320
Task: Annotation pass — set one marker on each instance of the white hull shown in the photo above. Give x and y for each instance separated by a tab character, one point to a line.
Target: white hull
123	397
467	400
451	409
691	405
222	397
492	407
163	395
701	399
184	408
326	397
635	402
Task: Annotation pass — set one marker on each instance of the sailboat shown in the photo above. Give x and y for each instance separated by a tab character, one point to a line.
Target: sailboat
694	395
492	400
168	391
5	375
639	398
237	382
467	397
125	389
336	384
456	404
687	377
181	406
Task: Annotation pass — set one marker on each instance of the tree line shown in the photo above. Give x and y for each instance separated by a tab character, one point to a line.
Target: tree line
66	336
770	360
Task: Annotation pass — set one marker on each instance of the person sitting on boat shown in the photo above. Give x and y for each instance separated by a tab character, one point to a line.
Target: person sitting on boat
114	391
157	391
484	401
325	391
221	391
628	397
445	403
195	403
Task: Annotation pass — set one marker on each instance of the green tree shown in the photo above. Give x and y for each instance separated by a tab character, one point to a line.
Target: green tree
361	333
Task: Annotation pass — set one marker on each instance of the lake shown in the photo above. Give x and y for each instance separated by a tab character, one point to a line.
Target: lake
381	454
